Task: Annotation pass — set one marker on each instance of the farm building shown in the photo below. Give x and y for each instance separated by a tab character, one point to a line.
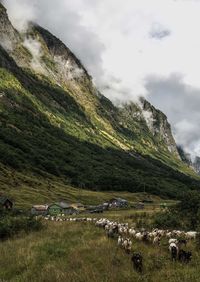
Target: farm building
78	206
39	209
6	203
61	208
105	206
118	203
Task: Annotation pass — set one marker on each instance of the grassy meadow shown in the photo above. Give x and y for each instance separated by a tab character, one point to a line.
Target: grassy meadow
81	252
28	190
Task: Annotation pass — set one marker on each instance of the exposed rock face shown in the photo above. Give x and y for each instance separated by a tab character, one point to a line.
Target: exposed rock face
159	125
196	165
67	63
9	36
185	157
39	47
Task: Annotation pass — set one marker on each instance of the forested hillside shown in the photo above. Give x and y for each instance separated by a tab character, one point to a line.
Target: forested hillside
54	124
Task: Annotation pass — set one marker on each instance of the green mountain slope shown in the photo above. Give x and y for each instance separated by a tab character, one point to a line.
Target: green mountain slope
55	124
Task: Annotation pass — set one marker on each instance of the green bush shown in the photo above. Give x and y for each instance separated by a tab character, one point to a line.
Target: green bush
12	225
185	215
166	220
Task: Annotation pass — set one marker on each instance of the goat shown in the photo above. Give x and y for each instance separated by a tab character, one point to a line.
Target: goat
182	242
156	240
120	241
191	235
127	244
137	261
184	256
174	251
139	236
175	241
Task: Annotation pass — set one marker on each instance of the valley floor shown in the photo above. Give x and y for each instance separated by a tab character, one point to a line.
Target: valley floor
26	190
80	252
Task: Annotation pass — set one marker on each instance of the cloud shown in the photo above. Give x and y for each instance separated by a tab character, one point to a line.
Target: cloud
181	104
159	32
20	12
6	43
64	20
34	48
117	39
132	48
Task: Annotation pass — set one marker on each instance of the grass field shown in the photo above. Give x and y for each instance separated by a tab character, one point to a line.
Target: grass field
28	190
80	252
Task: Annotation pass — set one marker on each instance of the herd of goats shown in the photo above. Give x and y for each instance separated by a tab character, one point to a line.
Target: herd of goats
125	234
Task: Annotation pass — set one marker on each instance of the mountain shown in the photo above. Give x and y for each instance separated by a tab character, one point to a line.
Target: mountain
185	157
196	165
55	124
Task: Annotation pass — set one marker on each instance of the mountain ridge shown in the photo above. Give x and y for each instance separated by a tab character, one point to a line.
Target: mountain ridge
54	122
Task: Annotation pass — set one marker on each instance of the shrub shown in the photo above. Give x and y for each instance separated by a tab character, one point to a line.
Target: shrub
11	225
166	220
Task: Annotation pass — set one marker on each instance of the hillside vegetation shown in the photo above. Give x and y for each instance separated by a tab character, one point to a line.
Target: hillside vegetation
56	126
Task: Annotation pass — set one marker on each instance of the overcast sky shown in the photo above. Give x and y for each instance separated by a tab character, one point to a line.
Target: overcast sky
132	48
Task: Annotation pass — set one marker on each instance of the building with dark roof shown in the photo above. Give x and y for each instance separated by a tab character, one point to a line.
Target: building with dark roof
39	209
61	208
6	203
118	203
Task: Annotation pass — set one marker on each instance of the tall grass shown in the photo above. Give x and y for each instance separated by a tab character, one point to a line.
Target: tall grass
80	252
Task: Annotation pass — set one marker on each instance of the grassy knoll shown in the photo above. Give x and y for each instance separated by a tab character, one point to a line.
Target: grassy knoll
81	252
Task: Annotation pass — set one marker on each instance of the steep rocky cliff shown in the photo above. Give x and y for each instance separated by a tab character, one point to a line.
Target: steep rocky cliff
159	126
185	157
196	165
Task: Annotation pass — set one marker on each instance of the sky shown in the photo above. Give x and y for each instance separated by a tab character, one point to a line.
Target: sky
132	48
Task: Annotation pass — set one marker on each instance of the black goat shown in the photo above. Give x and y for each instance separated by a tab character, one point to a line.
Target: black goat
182	242
137	260
174	253
184	256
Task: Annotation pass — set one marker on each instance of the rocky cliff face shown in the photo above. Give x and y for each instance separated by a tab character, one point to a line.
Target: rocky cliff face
9	36
159	126
40	51
196	165
185	157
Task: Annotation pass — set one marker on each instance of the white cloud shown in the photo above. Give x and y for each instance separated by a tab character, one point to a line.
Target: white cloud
34	48
6	43
181	104
21	12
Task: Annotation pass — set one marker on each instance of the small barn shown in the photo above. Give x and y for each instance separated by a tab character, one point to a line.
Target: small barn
6	203
118	203
105	206
54	209
39	209
61	208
